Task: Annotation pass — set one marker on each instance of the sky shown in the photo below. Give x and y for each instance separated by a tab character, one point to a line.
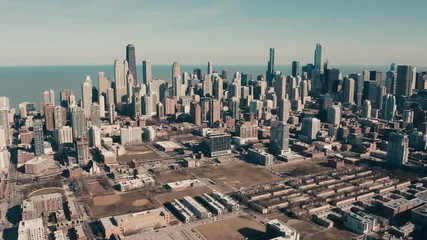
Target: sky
240	32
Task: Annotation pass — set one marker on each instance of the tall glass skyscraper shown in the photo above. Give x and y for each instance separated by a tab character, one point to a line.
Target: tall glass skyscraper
131	59
270	68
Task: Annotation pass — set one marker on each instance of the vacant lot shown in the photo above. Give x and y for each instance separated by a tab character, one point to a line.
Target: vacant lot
306	229
332	234
115	204
167	177
138	153
234	228
301	168
192	192
233	176
277	215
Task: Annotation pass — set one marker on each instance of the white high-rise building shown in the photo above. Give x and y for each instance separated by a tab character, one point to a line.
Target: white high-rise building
284	110
3	144
103	83
218	88
177	87
94	136
87	96
101	106
349	88
63	135
207	85
131	136
49	97
4	102
176	69
310	127
120	73
366	109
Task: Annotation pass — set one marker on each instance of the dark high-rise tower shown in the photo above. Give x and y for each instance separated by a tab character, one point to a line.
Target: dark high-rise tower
131	59
405	82
270	68
295	68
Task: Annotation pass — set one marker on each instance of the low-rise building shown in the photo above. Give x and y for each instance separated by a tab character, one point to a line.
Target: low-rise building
39	164
277	228
260	157
31	229
133	223
361	223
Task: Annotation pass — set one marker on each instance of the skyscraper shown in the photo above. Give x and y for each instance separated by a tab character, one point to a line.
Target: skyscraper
176	69
38	137
95	117
78	122
310	127
87	95
284	109
218	88
334	115
319	57
366	109
214	111
295	68
270	68
405	80
210	67
131	59
280	87
103	83
146	72
120	73
64	98
195	111
279	137
4	121
348	95
358	87
397	149
389	107
49	97
207	85
60	116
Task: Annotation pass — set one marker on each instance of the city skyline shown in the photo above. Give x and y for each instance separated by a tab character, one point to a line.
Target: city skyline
355	33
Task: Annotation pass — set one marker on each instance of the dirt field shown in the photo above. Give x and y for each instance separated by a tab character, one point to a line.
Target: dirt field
192	192
233	228
97	186
114	204
138	153
164	178
306	229
233	176
300	168
278	215
332	234
46	191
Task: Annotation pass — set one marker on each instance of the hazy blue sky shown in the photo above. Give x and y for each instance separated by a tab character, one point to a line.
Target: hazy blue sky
225	32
